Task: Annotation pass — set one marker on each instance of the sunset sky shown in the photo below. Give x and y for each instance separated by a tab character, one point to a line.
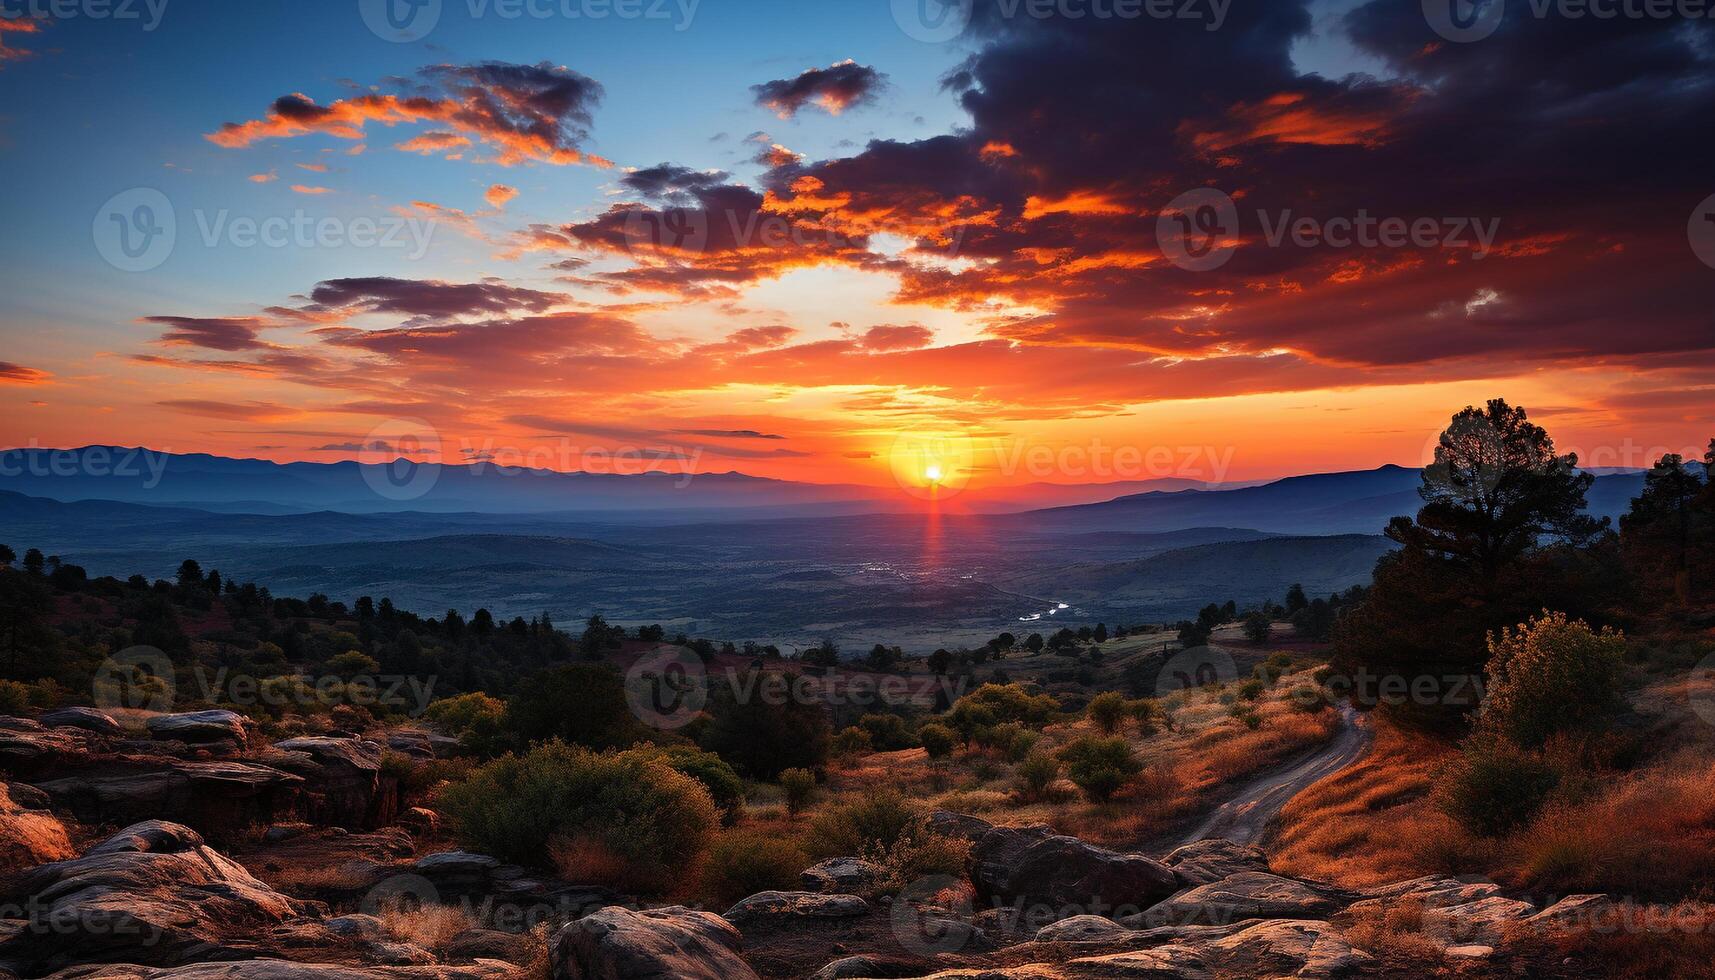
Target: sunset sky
789	237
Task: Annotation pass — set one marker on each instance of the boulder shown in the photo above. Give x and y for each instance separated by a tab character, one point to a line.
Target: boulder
776	906
1170	962
867	966
153	894
420	744
842	875
88	719
1483	922
1214	859
421	819
1246	895
655	944
199	727
28	836
1036	867
1437	891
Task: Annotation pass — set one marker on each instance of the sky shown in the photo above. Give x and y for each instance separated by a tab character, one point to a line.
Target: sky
849	240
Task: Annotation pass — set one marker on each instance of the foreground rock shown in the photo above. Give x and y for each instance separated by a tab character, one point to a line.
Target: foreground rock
1039	868
28	835
153	894
657	944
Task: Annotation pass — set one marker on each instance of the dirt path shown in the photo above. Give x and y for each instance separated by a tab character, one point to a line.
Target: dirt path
1244	817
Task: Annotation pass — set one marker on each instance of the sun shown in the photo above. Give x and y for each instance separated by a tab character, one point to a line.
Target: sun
932	473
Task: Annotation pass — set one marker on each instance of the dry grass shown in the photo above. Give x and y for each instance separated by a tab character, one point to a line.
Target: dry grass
1651	836
1374	822
432	927
1397	929
590	862
319	880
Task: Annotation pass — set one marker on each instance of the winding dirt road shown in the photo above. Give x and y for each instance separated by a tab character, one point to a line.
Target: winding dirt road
1244	817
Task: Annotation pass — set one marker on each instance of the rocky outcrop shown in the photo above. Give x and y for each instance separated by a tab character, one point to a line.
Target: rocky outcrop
1036	867
420	744
766	907
27	749
343	783
153	894
656	944
214	797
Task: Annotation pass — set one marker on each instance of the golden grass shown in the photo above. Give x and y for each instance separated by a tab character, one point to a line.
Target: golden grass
432	927
1652	835
1375	821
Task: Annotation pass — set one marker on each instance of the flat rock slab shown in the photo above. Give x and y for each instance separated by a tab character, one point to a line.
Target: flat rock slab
774	906
1246	895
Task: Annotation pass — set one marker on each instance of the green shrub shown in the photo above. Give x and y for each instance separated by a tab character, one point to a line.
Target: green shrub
800	785
1107	712
14	697
1252	689
723	784
917	856
888	733
1035	774
937	739
995	703
741	863
1551	675
631	807
852	741
876	820
1494	786
1099	766
1021	745
475	719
